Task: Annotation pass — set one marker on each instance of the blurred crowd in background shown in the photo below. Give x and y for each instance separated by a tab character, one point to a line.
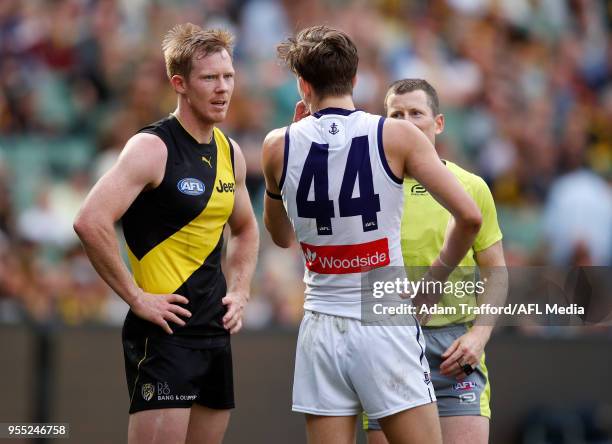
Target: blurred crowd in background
525	85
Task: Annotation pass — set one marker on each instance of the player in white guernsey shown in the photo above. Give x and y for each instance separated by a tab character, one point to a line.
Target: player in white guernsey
334	181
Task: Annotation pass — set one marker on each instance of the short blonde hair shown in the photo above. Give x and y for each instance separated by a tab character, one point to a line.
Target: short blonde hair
186	41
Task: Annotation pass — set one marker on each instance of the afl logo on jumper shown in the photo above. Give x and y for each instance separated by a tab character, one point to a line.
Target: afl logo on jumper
191	186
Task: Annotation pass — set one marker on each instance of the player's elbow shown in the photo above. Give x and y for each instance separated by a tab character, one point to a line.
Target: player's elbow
470	220
283	242
85	224
279	236
81	224
247	233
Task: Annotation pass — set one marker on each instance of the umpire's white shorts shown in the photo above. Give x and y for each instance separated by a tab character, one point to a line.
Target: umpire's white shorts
343	368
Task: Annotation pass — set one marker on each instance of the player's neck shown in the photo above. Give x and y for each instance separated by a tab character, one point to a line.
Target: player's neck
344	102
202	132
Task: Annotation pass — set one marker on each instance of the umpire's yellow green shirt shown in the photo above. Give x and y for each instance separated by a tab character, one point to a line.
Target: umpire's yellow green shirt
423	229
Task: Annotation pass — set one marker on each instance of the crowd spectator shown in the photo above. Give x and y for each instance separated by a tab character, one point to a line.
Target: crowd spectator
526	87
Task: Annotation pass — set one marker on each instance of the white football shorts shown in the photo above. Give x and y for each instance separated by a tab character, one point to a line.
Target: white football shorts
343	367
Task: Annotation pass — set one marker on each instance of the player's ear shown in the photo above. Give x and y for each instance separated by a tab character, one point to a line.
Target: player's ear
354	81
439	119
179	83
305	89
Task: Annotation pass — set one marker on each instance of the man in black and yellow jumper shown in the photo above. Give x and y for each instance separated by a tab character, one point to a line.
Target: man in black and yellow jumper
175	186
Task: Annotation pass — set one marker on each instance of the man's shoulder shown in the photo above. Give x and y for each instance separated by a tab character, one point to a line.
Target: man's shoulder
396	133
145	144
145	140
471	181
143	159
272	153
275	138
144	150
158	127
154	136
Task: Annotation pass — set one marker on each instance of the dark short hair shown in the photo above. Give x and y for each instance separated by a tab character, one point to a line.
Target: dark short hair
408	85
325	57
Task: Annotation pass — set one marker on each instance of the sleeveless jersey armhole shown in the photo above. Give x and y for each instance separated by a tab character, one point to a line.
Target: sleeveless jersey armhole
169	153
285	159
381	153
231	147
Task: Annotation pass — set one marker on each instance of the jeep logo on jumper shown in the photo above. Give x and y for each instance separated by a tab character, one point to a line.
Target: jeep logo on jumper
225	187
343	259
191	186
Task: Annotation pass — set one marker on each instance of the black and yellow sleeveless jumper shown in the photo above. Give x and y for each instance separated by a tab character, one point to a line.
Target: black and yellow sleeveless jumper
174	233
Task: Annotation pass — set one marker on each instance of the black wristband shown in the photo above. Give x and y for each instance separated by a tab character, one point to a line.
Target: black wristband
274	196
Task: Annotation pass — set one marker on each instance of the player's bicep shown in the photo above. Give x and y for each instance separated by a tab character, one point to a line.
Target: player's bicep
274	209
277	222
489	232
492	256
140	165
272	159
423	163
242	213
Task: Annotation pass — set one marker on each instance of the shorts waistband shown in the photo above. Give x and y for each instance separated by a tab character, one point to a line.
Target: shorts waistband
447	328
329	315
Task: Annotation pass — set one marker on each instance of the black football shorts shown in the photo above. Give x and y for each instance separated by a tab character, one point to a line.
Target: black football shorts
163	373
